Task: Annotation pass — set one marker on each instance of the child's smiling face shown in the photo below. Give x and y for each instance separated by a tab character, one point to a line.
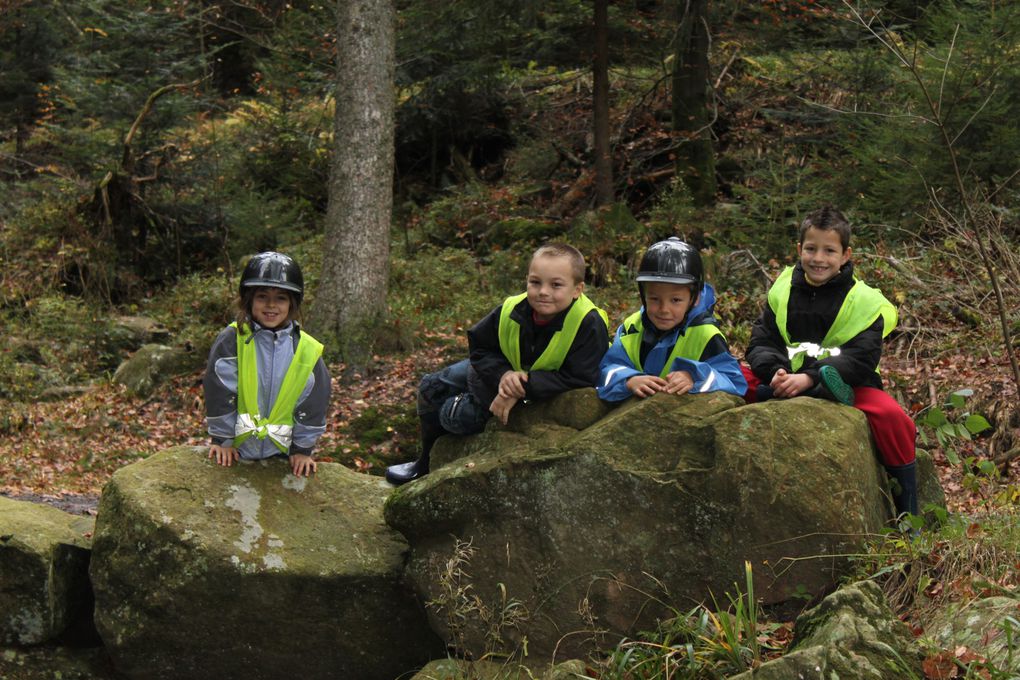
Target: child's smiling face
551	285
666	304
270	307
821	255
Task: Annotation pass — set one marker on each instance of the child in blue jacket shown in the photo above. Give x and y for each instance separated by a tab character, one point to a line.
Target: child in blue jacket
673	343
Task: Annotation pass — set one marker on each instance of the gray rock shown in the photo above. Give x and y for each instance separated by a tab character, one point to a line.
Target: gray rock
140	330
44	558
660	501
457	669
981	626
851	635
152	365
202	571
55	663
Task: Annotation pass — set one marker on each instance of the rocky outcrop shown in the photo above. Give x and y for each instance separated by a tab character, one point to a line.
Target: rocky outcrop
202	571
593	522
457	669
986	626
851	635
152	365
55	663
44	558
131	332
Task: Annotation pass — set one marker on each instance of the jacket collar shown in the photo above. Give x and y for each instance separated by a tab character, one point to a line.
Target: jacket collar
844	279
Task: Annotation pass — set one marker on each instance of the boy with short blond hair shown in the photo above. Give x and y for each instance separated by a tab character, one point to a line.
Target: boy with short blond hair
820	334
535	345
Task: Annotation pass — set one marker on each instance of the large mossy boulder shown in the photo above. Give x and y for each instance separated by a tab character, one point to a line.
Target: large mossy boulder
153	365
851	635
44	562
48	662
658	504
202	571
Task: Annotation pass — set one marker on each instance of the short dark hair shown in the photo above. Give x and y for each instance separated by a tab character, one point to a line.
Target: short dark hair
827	218
577	265
244	302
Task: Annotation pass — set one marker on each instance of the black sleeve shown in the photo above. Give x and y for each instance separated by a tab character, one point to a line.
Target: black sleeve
581	366
487	359
714	347
857	359
766	352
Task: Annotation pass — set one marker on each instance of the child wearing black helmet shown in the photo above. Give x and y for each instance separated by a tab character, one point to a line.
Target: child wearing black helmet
535	345
673	343
266	385
820	334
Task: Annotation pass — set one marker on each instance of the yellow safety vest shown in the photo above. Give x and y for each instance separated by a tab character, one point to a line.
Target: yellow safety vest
861	308
556	351
279	424
689	345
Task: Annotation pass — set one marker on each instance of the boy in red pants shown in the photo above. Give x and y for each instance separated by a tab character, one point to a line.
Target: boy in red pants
821	335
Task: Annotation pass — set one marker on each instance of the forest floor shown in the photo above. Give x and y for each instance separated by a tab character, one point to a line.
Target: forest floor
62	452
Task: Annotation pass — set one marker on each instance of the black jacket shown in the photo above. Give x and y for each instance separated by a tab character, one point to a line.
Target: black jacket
579	369
810	314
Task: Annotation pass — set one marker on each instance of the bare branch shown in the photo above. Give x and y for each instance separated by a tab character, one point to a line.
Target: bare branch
974	115
945	70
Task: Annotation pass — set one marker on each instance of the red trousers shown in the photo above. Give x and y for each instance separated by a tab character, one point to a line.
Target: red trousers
893	430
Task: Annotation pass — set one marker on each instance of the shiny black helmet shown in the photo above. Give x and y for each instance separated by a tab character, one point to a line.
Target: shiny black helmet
672	261
274	270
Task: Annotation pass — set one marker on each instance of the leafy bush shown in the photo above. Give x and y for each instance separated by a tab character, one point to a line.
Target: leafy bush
444	290
56	340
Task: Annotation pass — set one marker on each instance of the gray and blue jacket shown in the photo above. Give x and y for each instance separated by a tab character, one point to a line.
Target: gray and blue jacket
274	350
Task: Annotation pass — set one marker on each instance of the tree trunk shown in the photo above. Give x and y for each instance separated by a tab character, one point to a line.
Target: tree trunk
604	194
692	95
351	300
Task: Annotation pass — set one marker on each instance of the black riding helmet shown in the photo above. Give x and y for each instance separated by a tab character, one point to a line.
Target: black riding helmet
672	261
274	270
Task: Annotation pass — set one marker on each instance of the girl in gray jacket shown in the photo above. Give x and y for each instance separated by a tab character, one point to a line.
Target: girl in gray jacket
266	385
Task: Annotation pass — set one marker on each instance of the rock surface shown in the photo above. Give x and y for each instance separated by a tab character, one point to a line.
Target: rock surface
456	669
202	571
44	558
661	500
851	635
981	626
55	663
153	364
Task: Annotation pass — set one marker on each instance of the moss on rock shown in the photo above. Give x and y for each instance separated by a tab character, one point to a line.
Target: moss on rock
44	557
209	571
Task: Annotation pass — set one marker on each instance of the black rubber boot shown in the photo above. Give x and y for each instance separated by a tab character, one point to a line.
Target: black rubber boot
832	386
431	430
905	497
406	472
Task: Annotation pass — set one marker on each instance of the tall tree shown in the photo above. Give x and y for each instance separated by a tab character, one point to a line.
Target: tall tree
692	95
351	299
604	194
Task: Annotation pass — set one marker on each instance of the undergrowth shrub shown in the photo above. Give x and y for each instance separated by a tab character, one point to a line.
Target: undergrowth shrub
196	308
447	290
703	642
61	340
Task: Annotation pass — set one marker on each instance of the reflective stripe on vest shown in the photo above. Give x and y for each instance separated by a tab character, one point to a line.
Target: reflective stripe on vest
689	345
279	425
556	351
861	308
